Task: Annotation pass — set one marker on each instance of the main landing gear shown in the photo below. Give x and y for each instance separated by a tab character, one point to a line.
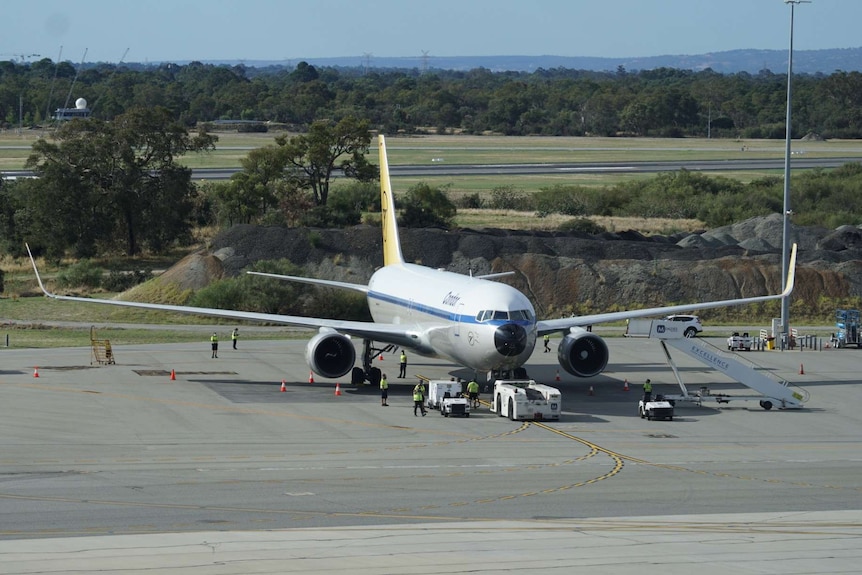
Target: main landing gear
368	372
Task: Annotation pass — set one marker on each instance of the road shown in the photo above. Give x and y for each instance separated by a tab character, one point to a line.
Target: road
119	467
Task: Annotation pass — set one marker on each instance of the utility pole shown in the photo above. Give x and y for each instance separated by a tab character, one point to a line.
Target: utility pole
785	251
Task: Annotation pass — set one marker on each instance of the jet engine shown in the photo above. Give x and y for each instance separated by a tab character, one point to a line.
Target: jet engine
330	354
582	353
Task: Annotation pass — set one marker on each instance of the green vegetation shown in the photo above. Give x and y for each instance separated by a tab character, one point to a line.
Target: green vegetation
561	102
424	206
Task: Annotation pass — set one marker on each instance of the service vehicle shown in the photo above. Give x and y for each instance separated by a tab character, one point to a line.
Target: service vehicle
526	400
658	408
738	342
849	328
438	388
446	396
691	323
456	406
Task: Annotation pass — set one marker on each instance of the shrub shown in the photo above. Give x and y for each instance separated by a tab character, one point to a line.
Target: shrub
566	200
470	202
509	198
585	225
425	206
82	274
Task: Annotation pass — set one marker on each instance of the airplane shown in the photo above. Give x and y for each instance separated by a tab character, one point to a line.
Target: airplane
473	321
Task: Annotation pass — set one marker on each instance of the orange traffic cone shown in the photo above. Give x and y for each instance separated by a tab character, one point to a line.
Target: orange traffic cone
801	369
625	385
283	386
173	375
310	377
591	390
36	371
337	389
381	357
558	375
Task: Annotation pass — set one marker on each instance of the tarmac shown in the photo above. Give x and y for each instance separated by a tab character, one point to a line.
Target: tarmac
120	468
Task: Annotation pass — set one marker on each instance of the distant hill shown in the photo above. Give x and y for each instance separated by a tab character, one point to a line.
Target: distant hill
751	61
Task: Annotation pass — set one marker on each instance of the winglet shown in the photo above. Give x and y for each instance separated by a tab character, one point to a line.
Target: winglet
38	279
391	243
791	273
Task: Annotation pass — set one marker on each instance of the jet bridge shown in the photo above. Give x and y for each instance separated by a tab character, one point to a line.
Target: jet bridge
774	391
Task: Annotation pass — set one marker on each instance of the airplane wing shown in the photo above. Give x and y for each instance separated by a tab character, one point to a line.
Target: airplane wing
398	334
325	283
562	324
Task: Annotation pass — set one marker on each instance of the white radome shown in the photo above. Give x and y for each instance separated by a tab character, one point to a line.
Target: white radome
80	103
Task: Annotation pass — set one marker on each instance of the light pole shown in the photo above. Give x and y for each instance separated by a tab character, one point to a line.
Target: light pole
785	251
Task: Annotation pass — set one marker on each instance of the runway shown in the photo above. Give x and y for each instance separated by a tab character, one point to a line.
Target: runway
119	467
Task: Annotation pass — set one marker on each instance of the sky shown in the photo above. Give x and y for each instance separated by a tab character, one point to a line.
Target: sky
289	30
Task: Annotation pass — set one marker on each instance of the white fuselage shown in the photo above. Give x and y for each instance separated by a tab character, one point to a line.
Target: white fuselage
452	316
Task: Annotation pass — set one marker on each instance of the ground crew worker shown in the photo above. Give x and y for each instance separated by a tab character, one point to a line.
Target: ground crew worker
214	343
547	339
647	390
384	391
234	336
419	398
403	365
473	393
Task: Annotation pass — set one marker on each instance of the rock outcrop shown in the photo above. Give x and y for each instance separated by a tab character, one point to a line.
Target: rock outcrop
561	271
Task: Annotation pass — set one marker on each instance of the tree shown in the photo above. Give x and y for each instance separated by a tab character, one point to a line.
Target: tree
116	181
425	206
311	158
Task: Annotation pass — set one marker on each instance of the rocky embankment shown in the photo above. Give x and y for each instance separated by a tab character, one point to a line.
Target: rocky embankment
561	271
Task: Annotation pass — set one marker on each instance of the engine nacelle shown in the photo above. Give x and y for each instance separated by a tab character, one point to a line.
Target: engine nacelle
582	353
330	354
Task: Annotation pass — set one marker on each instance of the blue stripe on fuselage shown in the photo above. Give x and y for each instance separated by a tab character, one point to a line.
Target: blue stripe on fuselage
441	313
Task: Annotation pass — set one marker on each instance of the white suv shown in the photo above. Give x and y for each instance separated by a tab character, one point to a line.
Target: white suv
693	325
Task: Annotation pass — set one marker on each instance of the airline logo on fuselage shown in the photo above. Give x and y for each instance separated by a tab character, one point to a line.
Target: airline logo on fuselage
451	299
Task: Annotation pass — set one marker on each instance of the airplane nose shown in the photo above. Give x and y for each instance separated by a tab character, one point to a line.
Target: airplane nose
510	339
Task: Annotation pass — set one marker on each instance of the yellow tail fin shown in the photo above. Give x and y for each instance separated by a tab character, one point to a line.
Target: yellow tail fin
391	243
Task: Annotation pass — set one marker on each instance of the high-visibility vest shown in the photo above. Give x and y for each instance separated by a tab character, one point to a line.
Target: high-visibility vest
214	338
647	386
403	357
384	384
472	387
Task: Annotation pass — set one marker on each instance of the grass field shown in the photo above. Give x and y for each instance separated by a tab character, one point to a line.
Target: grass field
232	147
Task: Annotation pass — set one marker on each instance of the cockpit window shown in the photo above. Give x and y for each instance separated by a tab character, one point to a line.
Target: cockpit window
519	314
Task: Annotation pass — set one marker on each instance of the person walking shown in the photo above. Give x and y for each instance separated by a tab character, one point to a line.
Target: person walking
647	390
473	393
547	340
234	336
419	398
384	391
403	365
214	344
